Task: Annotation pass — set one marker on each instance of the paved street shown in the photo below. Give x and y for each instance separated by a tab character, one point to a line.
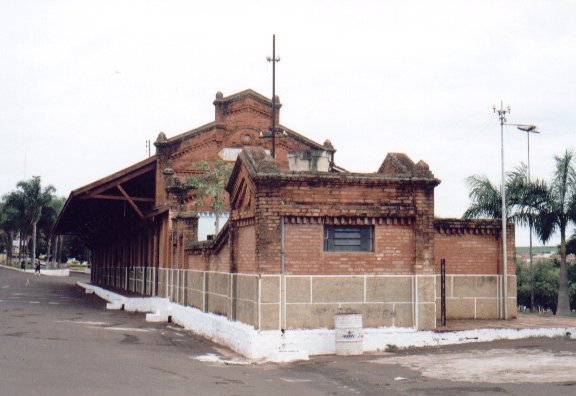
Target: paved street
57	340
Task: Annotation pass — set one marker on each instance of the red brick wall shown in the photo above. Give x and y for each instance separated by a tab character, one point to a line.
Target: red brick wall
471	251
209	260
220	260
331	200
467	254
304	246
245	249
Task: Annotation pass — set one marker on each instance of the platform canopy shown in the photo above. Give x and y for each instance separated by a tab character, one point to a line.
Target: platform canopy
104	210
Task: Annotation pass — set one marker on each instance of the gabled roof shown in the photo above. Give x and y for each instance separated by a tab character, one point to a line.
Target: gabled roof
239	96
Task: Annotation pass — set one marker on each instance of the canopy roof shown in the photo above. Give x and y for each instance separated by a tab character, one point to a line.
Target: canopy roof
100	211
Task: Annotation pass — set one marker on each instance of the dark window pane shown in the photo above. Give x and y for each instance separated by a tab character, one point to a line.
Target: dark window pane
348	238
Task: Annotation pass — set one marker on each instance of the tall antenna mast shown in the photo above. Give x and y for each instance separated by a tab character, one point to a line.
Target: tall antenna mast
502	112
273	59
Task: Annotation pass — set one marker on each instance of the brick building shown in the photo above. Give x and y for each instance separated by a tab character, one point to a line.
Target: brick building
304	239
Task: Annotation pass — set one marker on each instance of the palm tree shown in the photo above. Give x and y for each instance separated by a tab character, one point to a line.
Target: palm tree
486	199
527	197
554	213
550	207
35	198
14	212
8	224
520	201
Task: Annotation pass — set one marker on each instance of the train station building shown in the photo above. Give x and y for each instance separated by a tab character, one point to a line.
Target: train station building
304	238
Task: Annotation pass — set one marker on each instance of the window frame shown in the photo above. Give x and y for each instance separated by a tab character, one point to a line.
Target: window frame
336	241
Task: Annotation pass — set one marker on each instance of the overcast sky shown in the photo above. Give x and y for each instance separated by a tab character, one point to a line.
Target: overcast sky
84	84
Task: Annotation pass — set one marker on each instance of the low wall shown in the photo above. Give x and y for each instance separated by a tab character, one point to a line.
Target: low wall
475	296
312	301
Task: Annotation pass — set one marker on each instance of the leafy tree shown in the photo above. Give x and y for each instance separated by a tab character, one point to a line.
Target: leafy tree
46	240
571	245
546	285
572	288
546	279
73	247
209	186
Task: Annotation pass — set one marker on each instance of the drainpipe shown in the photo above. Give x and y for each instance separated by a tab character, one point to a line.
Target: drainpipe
282	279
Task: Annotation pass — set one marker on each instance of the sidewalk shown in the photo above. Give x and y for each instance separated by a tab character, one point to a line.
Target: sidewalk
48	272
524	321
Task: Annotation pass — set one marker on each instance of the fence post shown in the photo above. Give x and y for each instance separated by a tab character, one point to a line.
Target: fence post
443	291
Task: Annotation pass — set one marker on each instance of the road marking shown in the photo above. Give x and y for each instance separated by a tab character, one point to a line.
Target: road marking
213	358
294	380
53	303
87	322
127	329
33	302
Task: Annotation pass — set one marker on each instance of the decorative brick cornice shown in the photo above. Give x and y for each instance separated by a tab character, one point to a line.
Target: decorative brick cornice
286	177
342	220
187	135
248	93
468	226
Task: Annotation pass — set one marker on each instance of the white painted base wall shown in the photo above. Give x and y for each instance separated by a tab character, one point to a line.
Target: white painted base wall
272	345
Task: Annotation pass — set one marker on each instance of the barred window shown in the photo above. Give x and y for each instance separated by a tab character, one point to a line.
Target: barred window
348	238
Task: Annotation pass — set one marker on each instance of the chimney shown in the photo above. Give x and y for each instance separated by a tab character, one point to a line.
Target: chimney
309	161
277	115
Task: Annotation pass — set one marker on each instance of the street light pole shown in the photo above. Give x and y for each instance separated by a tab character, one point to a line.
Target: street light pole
530	129
274	59
502	116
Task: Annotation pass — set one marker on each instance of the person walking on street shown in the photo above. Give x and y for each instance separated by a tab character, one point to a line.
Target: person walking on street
37	268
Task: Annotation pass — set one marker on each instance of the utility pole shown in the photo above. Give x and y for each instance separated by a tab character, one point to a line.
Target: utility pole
502	116
274	60
148	147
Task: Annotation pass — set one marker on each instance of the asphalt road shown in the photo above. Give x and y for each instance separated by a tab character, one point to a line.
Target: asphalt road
57	340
